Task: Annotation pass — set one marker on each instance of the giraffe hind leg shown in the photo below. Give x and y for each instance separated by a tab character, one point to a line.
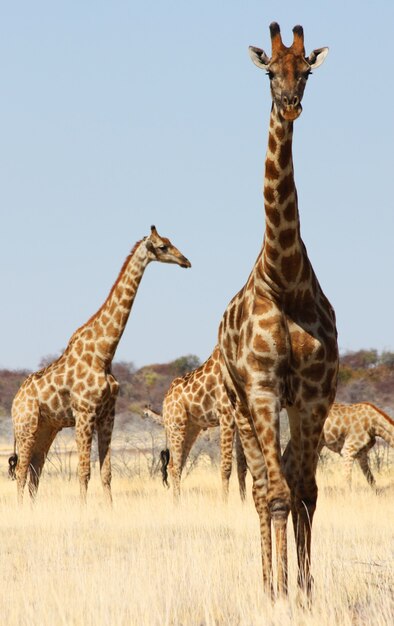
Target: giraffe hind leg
348	454
26	420
25	446
363	461
180	443
44	439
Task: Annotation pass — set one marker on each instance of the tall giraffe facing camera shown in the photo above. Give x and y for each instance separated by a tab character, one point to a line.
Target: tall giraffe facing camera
278	335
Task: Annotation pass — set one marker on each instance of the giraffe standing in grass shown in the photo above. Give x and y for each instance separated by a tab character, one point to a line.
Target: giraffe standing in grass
78	389
195	402
351	430
278	335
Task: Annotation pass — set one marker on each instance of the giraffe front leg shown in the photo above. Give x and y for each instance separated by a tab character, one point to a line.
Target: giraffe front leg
265	408
104	436
227	429
257	468
84	427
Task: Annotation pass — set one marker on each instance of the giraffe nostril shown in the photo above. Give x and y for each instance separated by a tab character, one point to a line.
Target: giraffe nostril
285	101
295	101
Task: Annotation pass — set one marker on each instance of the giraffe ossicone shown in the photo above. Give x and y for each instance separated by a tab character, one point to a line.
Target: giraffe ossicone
78	389
278	336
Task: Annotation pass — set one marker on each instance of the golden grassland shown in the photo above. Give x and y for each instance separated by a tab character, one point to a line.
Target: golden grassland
147	561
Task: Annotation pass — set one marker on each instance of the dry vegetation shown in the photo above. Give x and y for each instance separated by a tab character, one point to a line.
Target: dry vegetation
148	562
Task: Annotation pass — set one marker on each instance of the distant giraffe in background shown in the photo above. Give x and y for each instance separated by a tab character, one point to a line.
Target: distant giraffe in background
351	430
278	335
195	402
79	389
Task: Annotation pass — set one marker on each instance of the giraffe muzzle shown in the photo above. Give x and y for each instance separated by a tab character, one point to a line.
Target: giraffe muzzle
290	114
185	263
290	107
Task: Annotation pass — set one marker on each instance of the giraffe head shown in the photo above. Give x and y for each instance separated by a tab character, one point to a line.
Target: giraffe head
288	70
147	411
161	249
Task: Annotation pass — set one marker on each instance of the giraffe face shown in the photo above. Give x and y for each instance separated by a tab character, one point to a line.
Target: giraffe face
288	70
161	249
288	76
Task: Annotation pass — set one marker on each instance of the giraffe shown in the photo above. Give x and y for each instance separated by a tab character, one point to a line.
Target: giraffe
278	336
78	389
351	430
195	402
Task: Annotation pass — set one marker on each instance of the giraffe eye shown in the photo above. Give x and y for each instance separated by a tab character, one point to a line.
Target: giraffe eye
270	74
163	248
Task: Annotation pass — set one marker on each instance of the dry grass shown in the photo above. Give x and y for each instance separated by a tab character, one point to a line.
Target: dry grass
148	562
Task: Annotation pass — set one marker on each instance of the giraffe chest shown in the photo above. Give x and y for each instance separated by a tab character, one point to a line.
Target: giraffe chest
277	353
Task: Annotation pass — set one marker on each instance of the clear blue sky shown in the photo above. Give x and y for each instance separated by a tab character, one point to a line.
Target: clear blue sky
119	115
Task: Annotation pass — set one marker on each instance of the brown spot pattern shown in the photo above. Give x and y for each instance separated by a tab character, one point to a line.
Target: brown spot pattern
285	154
271	172
290	266
285	188
273	216
287	238
272	143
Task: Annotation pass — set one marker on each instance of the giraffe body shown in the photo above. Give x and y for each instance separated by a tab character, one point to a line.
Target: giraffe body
351	430
79	389
195	402
278	336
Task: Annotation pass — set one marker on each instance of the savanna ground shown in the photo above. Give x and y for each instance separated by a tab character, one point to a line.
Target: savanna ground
147	562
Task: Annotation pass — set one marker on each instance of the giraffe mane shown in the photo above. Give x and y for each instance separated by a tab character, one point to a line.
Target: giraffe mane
122	271
382	413
43	370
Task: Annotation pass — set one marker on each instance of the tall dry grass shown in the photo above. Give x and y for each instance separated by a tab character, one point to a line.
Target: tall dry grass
148	562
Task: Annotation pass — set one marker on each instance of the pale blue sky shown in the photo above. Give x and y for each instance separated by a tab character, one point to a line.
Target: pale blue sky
119	115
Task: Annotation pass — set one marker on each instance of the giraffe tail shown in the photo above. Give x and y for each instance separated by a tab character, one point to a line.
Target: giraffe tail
164	458
12	462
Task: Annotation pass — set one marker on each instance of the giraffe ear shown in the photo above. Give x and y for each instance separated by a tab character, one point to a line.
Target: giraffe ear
259	57
317	57
150	246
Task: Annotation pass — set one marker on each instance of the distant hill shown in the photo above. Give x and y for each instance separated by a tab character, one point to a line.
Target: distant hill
367	375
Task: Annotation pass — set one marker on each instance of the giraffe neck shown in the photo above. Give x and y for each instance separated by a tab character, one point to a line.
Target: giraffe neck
283	249
106	327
